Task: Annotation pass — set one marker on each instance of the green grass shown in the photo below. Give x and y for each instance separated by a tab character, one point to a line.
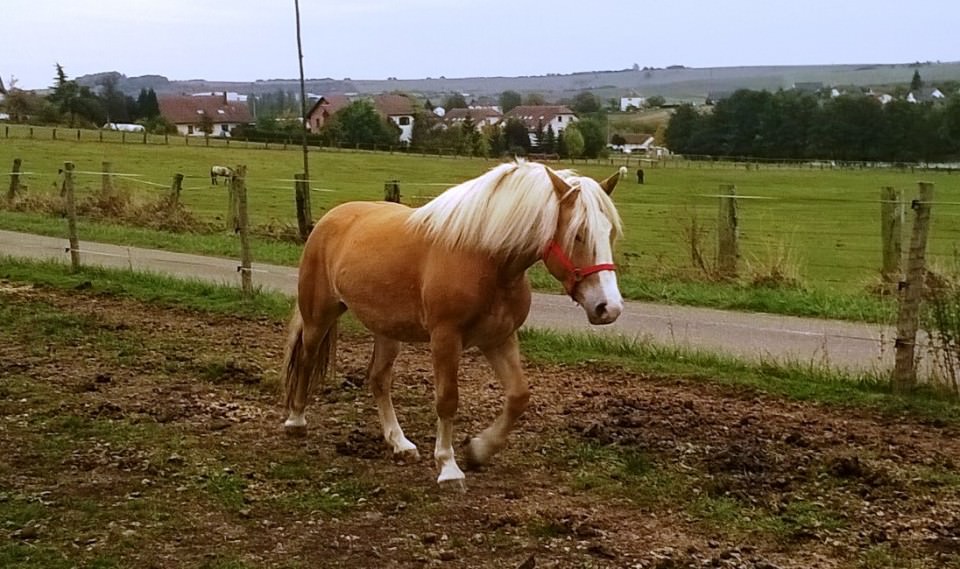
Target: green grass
807	382
799	519
147	287
826	220
226	489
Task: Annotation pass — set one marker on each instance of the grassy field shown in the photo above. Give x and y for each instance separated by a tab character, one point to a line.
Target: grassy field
820	227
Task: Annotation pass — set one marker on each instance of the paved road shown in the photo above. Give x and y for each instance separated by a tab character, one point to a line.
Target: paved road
747	335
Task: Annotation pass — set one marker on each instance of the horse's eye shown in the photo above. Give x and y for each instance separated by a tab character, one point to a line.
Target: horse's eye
579	238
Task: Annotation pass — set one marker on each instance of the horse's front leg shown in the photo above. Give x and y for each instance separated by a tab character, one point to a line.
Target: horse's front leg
505	360
380	374
446	347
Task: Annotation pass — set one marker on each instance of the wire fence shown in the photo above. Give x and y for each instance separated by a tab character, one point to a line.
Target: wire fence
817	238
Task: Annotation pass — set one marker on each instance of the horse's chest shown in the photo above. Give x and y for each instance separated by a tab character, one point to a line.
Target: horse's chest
497	323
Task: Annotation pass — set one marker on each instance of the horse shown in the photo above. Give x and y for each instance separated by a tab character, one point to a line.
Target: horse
219	171
453	274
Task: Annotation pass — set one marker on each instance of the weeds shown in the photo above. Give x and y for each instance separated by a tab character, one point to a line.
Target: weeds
942	322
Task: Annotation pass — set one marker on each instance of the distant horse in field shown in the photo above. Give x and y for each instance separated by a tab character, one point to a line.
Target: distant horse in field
451	273
219	171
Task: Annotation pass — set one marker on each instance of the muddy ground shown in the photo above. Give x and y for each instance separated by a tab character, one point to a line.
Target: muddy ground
138	436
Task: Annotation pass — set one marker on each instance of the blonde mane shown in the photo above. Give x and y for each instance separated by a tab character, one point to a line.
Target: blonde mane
513	210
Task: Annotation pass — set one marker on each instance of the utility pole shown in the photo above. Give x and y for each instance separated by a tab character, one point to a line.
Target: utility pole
303	99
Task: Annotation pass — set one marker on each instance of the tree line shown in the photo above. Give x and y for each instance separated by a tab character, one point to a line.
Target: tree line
796	125
70	104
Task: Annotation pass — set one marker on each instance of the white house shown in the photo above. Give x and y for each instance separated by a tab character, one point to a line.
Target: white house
632	103
398	109
559	117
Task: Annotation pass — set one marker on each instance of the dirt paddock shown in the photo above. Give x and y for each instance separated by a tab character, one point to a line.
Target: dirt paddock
138	436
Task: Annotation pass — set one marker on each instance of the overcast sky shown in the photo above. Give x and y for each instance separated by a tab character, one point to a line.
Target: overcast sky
376	39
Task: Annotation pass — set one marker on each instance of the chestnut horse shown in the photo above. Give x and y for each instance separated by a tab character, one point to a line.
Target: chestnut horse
451	273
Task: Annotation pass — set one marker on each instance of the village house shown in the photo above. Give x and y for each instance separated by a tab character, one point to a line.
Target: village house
324	108
191	114
481	116
546	116
398	109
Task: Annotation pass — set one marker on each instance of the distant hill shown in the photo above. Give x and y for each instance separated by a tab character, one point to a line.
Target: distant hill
676	82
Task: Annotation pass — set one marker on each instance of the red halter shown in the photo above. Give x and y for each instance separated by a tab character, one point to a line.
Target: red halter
574	274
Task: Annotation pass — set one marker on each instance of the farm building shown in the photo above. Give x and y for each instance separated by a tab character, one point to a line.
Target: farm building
192	113
533	117
123	127
633	143
481	116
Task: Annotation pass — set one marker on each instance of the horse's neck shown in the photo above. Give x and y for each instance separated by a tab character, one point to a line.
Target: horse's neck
514	268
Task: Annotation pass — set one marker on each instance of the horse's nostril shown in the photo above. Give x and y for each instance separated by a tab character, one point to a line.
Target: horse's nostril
601	309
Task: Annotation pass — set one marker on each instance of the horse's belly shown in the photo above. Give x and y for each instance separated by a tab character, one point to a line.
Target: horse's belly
400	330
389	316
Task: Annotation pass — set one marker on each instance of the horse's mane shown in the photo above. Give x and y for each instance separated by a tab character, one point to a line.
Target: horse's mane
513	210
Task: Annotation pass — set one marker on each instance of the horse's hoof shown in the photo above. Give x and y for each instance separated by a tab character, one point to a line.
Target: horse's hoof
409	456
473	459
456	485
477	453
295	431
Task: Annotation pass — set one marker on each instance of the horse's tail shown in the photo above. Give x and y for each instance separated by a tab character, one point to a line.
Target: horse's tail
304	365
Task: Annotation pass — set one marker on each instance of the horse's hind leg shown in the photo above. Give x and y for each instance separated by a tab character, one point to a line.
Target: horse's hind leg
311	349
505	360
380	376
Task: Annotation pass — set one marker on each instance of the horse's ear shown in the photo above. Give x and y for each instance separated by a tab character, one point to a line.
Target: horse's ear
560	186
610	183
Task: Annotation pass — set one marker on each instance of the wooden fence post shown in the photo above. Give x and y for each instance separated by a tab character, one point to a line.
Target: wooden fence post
14	181
304	215
71	216
727	247
106	177
239	183
911	291
891	233
175	188
231	219
391	191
